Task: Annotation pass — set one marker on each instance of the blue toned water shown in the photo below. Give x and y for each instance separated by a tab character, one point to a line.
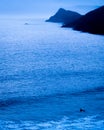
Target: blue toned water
47	74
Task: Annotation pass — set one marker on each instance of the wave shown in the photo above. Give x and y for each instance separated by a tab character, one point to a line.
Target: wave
92	90
35	99
89	122
18	101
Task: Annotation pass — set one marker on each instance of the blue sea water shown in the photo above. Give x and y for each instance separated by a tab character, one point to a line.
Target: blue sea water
47	74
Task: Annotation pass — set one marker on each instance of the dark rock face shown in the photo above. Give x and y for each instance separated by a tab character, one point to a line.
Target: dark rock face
64	16
92	22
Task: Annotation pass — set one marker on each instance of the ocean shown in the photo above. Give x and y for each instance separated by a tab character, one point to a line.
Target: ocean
49	73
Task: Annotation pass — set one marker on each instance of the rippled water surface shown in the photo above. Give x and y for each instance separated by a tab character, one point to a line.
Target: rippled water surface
47	74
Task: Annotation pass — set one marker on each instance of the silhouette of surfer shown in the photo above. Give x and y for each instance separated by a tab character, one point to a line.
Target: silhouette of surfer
26	24
82	110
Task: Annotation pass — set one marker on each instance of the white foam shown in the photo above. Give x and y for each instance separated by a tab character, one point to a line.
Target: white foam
87	123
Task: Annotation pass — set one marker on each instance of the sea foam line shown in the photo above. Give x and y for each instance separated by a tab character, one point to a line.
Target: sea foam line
86	123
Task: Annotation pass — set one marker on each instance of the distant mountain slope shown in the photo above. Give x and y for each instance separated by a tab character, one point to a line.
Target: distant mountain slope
92	22
64	16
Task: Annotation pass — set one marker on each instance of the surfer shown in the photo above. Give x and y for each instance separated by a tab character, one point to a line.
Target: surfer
82	110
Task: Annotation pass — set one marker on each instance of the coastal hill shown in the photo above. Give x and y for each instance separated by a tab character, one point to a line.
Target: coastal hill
64	16
92	22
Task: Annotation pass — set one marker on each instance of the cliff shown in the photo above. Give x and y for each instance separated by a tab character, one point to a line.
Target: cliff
64	16
92	22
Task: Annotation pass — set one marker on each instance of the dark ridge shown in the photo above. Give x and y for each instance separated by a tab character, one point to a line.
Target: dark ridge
92	22
88	91
4	103
14	101
64	16
9	102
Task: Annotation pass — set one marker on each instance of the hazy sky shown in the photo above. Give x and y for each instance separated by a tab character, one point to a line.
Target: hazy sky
46	6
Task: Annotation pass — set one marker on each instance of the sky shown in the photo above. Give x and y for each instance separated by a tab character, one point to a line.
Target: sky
43	7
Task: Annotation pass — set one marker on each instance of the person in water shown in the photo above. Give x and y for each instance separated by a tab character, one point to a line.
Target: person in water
82	110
